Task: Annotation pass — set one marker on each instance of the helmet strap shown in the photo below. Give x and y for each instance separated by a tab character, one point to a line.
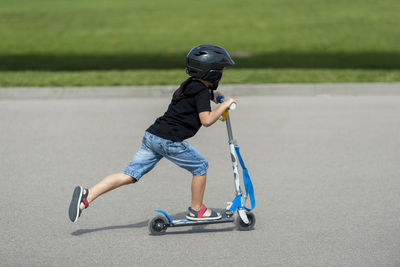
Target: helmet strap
211	94
213	76
215	85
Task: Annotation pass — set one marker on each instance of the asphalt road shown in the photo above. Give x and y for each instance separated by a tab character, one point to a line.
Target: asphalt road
325	171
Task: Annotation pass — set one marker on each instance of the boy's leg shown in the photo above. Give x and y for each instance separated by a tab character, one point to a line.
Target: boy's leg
198	188
109	183
144	160
185	156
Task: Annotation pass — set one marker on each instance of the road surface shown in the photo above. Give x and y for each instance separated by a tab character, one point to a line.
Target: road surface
325	171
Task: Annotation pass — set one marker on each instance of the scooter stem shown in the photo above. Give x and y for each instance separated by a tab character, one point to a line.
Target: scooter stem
229	129
232	144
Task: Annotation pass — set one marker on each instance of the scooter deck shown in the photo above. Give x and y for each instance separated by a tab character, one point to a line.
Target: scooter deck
186	222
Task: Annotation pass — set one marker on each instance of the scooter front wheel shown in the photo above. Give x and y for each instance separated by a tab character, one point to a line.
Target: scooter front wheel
242	226
158	225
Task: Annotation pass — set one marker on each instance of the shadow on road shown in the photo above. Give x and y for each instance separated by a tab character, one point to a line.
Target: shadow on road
181	215
114	227
80	62
201	229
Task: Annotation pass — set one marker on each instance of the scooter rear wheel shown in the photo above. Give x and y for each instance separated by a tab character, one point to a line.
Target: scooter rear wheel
158	225
242	226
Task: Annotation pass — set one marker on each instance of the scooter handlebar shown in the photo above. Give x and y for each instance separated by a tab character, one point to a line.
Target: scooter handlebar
221	99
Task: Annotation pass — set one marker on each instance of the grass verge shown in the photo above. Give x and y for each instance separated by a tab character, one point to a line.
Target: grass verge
176	76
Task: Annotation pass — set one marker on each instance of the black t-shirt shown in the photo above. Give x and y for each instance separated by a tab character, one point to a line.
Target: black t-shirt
181	120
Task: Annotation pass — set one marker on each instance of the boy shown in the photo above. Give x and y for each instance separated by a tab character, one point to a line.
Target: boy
188	111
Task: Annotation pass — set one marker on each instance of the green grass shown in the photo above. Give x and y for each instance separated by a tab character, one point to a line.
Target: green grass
175	77
87	42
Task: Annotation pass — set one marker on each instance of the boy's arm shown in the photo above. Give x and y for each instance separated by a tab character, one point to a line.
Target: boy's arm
208	118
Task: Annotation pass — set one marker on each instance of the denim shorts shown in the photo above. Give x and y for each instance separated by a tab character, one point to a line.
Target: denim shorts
154	148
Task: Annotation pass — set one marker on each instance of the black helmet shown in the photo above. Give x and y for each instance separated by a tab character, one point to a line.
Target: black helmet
206	62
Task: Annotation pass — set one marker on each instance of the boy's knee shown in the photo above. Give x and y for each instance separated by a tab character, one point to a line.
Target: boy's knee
126	178
205	165
201	169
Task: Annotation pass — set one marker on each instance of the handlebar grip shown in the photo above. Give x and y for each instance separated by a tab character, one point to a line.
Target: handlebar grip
221	99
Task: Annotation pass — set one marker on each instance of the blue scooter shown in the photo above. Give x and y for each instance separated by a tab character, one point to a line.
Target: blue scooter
245	219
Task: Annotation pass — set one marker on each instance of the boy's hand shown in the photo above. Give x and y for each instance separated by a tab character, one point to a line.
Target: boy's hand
217	94
207	118
229	101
